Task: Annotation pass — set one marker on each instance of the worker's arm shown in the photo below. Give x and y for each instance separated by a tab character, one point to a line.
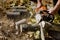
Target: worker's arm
56	8
38	3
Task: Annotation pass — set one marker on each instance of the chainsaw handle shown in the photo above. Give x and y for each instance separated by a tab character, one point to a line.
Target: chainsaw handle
48	16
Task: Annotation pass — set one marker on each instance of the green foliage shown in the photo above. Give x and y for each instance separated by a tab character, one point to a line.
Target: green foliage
57	18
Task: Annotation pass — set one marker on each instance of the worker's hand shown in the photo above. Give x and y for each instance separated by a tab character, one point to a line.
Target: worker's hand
51	11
